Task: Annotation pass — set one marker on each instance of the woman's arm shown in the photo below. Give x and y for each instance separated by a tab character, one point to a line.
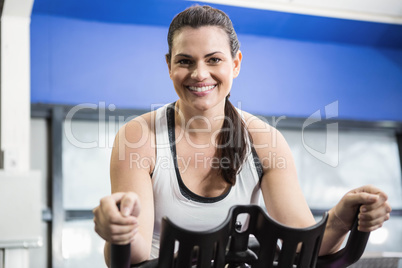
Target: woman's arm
282	194
280	187
284	199
132	162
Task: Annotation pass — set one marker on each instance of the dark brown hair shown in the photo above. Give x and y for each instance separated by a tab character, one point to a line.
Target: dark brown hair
232	140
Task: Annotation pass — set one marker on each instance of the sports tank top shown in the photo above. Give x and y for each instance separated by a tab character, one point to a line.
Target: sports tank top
185	208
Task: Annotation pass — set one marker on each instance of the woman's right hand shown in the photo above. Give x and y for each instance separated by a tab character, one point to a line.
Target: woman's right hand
114	226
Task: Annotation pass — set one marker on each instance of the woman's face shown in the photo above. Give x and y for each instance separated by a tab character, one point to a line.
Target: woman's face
201	67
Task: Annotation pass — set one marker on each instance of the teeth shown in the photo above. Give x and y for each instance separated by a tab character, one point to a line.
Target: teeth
201	89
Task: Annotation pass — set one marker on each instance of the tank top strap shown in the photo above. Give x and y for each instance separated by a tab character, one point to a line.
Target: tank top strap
162	132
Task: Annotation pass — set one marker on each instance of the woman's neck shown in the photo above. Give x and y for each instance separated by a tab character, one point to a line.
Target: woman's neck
198	123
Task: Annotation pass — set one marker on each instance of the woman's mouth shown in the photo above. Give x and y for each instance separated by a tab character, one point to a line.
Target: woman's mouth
201	89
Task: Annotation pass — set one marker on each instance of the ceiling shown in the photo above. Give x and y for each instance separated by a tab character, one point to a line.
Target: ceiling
376	23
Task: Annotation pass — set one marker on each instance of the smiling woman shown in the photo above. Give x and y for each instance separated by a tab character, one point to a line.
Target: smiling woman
203	60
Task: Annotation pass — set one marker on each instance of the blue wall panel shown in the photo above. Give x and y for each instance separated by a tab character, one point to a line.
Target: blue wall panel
76	61
296	78
246	20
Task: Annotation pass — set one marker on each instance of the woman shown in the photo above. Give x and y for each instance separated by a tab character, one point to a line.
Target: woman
194	159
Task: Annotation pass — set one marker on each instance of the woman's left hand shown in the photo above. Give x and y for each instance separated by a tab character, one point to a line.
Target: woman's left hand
374	208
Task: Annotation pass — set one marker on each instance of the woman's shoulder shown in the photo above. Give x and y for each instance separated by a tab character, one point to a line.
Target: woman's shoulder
140	123
261	131
253	123
138	135
144	121
141	129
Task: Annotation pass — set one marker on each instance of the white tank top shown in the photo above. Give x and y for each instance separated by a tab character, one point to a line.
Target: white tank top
174	200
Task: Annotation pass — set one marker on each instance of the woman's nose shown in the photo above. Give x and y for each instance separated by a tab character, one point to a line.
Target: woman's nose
200	72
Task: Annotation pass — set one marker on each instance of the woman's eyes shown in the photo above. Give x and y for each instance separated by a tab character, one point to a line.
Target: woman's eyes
214	60
189	62
184	62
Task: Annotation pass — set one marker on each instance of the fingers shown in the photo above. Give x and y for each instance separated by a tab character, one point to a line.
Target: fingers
372	217
359	198
380	200
369	197
130	205
117	227
368	224
122	234
374	209
117	234
125	238
110	211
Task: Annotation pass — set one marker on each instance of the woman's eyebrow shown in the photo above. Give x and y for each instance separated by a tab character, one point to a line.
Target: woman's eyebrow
212	53
189	56
183	55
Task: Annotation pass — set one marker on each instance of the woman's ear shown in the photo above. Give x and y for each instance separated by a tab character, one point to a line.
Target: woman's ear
237	63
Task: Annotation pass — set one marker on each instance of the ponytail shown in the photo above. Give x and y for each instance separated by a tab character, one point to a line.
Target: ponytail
232	143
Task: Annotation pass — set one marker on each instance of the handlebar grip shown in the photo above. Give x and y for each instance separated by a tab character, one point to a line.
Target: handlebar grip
120	255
